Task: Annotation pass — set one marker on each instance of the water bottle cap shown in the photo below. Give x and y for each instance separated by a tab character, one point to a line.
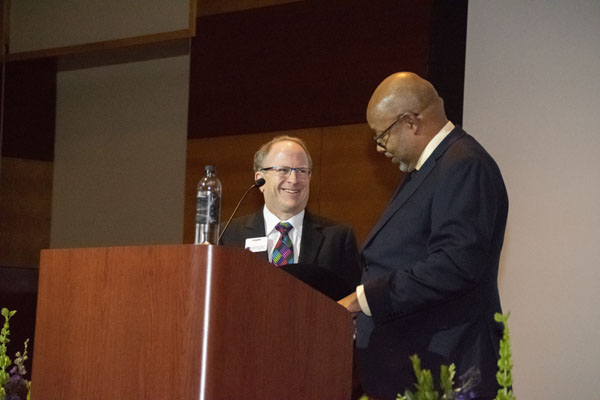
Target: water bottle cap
209	169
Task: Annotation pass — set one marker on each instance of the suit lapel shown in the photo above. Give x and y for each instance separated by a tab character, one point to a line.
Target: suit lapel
407	191
404	194
255	227
311	240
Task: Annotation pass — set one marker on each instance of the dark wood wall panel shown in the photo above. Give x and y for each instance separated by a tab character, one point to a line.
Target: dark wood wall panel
300	65
25	210
357	181
307	65
29	108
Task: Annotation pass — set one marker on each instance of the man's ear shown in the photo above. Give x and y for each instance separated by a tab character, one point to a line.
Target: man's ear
412	121
257	176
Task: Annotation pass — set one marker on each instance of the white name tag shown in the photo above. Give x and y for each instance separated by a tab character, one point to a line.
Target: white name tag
256	244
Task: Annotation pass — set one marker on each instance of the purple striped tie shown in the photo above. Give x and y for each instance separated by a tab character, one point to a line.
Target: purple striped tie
283	253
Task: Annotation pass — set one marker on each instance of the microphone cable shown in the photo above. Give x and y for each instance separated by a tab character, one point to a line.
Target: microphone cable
256	184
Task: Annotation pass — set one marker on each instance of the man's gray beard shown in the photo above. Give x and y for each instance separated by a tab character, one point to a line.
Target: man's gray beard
403	167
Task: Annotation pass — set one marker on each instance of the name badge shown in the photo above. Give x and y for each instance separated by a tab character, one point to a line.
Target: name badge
257	244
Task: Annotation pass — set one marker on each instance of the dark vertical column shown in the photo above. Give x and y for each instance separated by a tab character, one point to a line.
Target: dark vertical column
29	107
448	39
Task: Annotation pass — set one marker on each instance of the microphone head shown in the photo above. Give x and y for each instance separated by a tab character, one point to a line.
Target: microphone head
259	182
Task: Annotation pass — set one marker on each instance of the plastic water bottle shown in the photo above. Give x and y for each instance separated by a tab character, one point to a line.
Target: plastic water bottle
208	208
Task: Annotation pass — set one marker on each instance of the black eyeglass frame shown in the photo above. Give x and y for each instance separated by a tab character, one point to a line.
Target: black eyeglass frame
377	138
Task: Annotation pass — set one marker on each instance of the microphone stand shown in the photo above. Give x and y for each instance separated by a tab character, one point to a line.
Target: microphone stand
256	184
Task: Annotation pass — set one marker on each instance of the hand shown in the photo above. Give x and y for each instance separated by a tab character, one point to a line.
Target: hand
351	304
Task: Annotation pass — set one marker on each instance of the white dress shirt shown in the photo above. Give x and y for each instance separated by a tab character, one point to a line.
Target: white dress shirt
273	234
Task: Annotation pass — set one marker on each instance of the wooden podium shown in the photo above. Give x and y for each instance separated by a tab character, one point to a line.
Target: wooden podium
184	322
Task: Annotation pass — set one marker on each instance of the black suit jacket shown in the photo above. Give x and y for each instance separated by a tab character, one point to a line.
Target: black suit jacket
431	267
329	259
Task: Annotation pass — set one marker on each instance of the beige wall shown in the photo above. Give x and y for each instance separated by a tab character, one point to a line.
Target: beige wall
44	24
119	168
531	96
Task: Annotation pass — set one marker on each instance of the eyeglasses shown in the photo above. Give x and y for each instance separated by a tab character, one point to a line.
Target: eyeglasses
385	133
284	172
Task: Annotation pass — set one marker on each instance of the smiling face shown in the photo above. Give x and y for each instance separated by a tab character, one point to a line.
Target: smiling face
285	196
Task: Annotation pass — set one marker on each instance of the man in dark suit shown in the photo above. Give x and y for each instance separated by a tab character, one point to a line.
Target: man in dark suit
429	285
318	251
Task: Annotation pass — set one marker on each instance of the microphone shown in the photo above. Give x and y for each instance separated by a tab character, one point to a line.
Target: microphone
258	183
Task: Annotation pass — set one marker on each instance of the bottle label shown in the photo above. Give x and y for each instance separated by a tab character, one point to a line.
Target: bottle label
207	208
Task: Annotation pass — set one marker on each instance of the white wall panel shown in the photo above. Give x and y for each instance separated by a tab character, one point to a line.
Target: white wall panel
532	95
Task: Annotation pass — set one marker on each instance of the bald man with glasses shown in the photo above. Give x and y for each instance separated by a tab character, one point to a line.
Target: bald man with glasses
429	284
321	252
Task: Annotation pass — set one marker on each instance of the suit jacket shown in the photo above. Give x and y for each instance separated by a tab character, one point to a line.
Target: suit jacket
431	267
328	261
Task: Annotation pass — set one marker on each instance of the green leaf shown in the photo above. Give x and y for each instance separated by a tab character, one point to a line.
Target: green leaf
447	379
504	375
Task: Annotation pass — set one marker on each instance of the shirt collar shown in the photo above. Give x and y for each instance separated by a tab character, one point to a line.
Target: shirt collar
434	143
271	220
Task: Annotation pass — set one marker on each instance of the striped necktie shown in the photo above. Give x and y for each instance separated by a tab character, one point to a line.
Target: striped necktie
283	253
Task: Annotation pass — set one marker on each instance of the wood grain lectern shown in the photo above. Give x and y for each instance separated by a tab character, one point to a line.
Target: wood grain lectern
184	322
